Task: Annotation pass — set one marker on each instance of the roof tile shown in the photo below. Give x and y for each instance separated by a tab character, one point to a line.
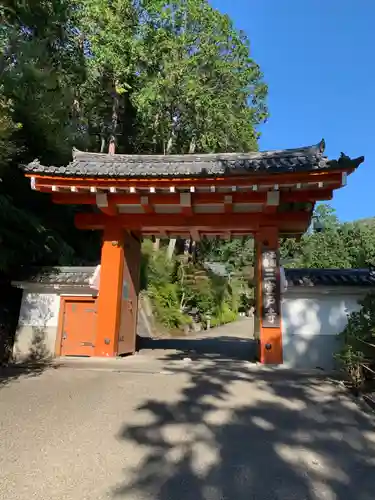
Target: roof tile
80	276
161	166
76	276
330	277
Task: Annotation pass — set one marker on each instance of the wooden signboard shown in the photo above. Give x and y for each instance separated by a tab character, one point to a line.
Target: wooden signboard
270	289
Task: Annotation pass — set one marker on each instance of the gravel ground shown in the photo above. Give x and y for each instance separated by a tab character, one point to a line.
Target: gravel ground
164	429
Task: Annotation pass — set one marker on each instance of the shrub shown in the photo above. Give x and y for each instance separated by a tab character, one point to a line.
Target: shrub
357	356
224	316
176	285
167	306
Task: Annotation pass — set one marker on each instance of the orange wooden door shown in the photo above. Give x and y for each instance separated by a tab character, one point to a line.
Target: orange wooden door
129	299
78	327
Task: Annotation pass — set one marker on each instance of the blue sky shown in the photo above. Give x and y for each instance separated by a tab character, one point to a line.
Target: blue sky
318	60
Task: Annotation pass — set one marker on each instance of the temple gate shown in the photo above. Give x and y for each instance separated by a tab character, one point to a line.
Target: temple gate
268	195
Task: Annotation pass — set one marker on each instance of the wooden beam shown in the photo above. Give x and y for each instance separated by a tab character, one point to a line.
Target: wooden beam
273	198
228	204
195	234
105	204
301	195
73	199
240	180
306	195
101	200
273	201
270	209
202	222
146	205
185	203
110	210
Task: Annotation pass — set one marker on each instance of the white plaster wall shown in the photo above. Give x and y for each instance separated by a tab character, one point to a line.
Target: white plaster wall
39	309
38	321
37	326
310	324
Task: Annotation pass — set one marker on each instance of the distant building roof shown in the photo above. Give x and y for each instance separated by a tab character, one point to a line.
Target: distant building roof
121	166
330	277
216	268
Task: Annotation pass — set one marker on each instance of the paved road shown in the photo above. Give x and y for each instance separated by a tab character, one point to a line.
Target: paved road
165	429
235	340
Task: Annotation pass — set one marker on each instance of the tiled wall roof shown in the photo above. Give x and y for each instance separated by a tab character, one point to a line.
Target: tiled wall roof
330	277
73	276
80	276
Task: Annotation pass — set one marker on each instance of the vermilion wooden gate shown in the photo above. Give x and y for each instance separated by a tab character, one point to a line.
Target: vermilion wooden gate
270	195
129	297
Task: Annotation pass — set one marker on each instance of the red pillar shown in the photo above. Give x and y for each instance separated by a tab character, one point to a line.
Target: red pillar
268	296
110	290
127	332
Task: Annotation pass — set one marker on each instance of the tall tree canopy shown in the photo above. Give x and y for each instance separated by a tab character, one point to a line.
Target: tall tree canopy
335	245
198	89
147	76
144	75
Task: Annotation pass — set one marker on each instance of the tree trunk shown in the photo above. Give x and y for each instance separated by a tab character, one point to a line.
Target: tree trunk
114	121
172	241
102	143
171	247
192	146
156	244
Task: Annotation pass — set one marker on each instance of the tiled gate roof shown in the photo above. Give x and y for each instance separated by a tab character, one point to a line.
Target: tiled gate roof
121	166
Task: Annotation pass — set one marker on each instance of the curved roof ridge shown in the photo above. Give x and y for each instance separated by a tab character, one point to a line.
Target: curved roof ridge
314	150
125	166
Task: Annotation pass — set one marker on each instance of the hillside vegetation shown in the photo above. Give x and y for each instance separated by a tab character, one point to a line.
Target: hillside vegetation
146	76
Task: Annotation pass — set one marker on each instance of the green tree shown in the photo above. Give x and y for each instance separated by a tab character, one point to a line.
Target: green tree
359	240
40	66
357	354
335	245
236	253
198	89
108	32
326	216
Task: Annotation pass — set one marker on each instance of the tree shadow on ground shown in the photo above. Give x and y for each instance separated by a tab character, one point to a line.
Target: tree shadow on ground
30	368
33	364
236	432
228	347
